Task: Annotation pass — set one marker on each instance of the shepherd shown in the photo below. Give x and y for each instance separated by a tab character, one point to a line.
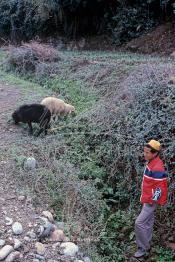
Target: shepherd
153	193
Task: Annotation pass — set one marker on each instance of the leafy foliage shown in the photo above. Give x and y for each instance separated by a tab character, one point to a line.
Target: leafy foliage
116	235
123	20
163	255
18	19
129	22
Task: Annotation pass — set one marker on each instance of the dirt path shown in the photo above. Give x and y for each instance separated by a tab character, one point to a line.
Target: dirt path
18	202
12	205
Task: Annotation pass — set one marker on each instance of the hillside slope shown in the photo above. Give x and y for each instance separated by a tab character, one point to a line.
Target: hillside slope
122	100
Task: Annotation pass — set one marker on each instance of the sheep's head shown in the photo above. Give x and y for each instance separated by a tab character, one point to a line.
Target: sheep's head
70	109
16	117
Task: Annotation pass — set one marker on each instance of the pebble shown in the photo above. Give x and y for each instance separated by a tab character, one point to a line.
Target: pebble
30	163
12	257
17	228
40	249
30	225
27	239
48	215
87	259
5	251
39	257
69	248
47	230
21	198
9	221
57	235
172	54
2	242
35	260
31	234
17	243
45	221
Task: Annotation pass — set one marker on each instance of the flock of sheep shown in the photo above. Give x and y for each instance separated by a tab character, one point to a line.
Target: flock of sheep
42	113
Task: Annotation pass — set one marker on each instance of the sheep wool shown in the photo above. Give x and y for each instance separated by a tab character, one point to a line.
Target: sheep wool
57	106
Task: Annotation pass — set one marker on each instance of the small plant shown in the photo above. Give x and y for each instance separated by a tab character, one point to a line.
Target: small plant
163	255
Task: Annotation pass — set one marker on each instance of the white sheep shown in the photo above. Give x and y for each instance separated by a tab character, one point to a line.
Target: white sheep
57	106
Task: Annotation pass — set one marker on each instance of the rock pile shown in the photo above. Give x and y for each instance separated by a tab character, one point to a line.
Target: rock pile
44	242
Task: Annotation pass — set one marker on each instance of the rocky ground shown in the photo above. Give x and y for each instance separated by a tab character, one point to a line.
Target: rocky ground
27	232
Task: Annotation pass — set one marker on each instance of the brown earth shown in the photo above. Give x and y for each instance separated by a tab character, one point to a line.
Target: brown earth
11	205
159	41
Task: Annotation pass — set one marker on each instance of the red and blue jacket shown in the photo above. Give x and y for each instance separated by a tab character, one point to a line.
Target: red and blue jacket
154	177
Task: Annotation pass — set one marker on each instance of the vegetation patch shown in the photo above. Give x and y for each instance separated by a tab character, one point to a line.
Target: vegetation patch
91	164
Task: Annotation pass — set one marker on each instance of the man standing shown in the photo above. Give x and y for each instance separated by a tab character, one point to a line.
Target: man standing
154	192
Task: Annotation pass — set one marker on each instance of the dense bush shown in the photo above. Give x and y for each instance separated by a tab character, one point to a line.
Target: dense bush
18	20
32	57
25	19
130	22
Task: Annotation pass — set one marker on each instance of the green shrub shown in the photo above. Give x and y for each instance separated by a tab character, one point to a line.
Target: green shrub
116	236
163	255
129	22
26	19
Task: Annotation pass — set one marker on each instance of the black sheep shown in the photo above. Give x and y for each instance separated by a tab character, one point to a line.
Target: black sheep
35	113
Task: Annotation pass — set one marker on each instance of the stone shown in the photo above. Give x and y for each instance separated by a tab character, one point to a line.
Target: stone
87	259
17	228
80	255
171	238
5	251
35	260
39	257
2	242
40	249
27	239
48	215
69	248
21	198
171	80
44	221
172	54
47	230
30	225
17	243
13	256
8	221
31	234
57	235
30	163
